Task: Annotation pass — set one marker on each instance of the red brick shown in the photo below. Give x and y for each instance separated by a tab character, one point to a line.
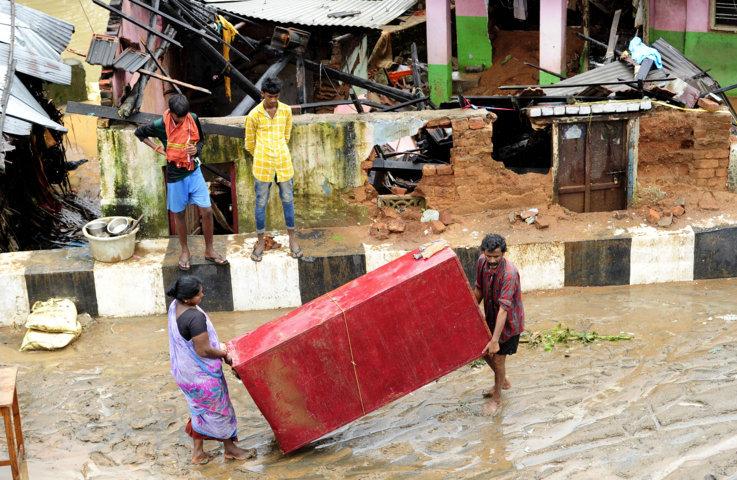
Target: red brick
653	216
459	124
713	153
446	218
476	123
678	211
379	231
442	122
396	225
703	173
439	181
437	226
723	162
398	190
428	170
444	170
707	163
367	165
709	105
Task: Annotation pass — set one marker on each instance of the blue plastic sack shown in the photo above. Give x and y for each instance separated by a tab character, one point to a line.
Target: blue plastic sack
639	52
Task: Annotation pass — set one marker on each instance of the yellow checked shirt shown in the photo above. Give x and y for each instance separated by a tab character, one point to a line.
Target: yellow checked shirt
266	140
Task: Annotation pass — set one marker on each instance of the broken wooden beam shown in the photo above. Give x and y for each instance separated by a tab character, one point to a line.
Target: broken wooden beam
645	67
245	105
390	92
159	65
598	43
174	81
612	37
139	118
128	18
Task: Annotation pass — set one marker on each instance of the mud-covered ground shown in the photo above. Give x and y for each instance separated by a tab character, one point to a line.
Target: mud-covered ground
659	406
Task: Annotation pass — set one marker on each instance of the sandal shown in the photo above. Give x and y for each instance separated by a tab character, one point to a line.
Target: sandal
184	265
218	260
256	255
296	253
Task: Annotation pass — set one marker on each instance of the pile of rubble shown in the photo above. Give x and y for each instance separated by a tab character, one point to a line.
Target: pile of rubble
395	220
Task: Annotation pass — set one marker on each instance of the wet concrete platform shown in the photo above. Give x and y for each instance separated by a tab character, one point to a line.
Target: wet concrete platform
334	256
660	406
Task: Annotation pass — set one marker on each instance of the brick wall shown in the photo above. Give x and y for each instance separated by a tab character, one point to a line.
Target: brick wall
475	181
684	147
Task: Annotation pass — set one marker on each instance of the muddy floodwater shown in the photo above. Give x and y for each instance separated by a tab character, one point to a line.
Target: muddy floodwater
663	405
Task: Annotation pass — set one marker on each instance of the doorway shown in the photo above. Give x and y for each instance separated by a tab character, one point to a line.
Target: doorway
592	165
221	182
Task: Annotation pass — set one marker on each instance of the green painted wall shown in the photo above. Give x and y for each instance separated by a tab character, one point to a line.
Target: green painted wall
713	51
327	151
440	78
548	79
474	46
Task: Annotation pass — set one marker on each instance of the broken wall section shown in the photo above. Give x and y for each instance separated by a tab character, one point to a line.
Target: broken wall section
474	181
684	147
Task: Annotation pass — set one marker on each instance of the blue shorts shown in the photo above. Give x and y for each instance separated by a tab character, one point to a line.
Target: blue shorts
191	190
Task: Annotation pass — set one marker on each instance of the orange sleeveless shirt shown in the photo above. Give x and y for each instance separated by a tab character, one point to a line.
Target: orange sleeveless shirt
177	139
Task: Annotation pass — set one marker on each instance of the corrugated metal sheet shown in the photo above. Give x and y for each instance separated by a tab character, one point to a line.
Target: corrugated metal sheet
131	60
611	72
33	54
102	50
57	33
371	13
681	67
23	109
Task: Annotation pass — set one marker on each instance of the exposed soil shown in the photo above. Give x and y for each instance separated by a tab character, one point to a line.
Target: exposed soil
522	46
658	406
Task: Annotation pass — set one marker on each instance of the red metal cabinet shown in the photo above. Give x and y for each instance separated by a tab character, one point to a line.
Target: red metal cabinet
360	346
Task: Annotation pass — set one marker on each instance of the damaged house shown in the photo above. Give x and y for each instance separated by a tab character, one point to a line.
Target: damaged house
587	142
37	208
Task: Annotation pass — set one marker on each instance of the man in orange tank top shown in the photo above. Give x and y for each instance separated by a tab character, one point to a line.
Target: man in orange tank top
181	135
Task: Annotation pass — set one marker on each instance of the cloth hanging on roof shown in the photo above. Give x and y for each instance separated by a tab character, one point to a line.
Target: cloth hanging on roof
520	9
639	52
229	32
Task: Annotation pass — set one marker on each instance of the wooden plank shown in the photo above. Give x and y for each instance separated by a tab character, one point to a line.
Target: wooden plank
159	65
141	118
7	385
174	81
612	37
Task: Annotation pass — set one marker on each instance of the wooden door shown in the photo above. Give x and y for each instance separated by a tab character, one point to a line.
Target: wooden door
592	166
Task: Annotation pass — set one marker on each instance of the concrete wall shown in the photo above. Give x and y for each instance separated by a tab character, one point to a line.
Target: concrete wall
327	151
136	286
686	25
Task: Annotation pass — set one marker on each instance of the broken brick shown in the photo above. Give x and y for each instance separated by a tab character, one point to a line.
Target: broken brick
367	165
443	169
653	216
459	125
428	170
398	190
396	225
708	202
666	221
541	223
446	218
475	123
390	212
678	211
437	226
379	231
709	105
442	122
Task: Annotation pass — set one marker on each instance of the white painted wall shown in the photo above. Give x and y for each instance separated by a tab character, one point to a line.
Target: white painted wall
14	306
541	265
659	256
134	287
378	255
271	283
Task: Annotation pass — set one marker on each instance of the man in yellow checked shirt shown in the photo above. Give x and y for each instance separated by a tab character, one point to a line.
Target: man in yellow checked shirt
268	128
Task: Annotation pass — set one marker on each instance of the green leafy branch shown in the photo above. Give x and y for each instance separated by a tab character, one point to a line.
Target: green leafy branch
562	334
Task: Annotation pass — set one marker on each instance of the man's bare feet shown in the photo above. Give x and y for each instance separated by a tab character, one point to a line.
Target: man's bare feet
506	385
492	407
200	458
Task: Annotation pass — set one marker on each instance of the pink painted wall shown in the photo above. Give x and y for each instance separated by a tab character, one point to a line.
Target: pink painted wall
471	8
438	32
131	32
680	15
553	35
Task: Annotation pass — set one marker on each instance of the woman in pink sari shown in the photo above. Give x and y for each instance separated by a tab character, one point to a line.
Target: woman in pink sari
196	365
